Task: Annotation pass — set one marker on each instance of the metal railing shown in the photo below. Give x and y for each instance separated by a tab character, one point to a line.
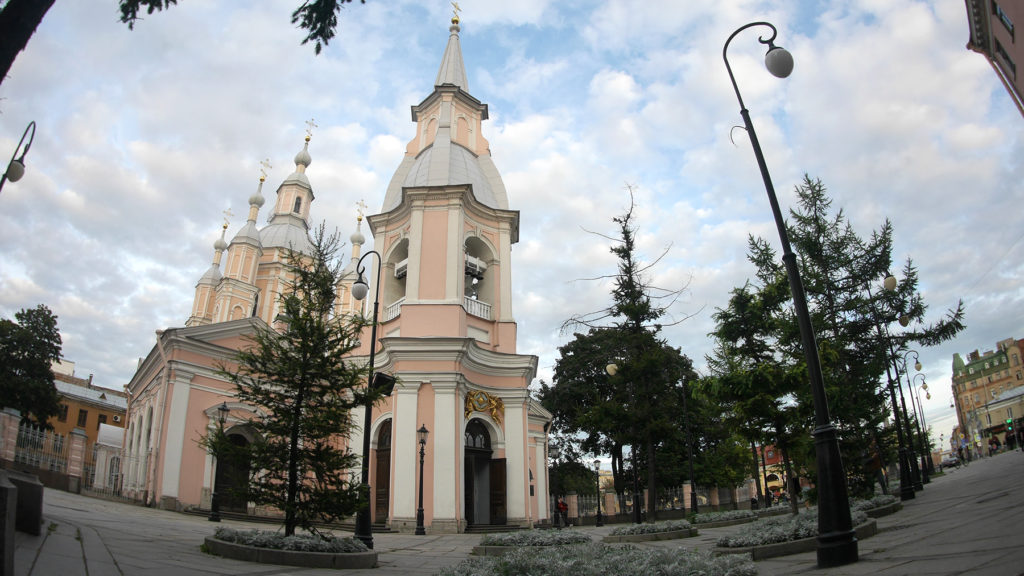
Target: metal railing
40	448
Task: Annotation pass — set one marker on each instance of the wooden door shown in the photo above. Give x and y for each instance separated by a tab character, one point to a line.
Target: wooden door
382	486
499	514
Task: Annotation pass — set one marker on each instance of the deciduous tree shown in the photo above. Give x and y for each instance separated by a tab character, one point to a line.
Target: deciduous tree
28	347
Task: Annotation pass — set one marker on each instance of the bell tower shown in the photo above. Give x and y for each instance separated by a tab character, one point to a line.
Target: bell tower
445	234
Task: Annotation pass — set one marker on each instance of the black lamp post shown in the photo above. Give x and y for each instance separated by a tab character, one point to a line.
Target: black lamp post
16	167
422	434
906	478
837	543
613	369
364	529
689	452
900	362
553	453
922	424
222	416
597	472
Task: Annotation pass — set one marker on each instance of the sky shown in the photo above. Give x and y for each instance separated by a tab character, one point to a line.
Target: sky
145	138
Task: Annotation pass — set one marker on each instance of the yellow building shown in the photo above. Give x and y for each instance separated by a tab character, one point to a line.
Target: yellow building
981	384
83	405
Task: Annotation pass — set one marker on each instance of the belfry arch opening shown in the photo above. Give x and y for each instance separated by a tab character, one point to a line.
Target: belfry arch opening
479	277
397	269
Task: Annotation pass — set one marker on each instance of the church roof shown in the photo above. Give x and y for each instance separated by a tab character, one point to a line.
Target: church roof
444	162
452	70
461	167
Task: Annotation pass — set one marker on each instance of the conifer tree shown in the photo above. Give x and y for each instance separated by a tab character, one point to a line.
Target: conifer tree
639	405
304	390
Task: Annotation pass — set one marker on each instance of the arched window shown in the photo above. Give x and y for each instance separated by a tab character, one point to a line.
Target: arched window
477	436
298	205
384	436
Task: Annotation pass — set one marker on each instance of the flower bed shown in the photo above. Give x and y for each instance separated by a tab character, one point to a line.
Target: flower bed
780	529
274	548
504	542
600	560
724	518
669	530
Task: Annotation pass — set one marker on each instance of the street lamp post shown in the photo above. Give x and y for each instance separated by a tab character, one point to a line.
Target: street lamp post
906	477
920	476
613	369
837	543
364	530
689	452
16	167
422	434
923	423
597	472
222	416
553	453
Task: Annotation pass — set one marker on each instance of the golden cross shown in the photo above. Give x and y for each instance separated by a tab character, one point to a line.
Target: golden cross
310	124
456	10
264	166
227	217
360	208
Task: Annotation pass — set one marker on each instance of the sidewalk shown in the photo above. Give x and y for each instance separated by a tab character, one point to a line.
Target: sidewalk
966	522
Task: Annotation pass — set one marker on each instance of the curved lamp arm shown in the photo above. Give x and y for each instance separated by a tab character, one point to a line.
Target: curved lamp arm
16	167
778	60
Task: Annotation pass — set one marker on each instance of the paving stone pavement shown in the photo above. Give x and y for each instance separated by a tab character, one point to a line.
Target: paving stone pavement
968	521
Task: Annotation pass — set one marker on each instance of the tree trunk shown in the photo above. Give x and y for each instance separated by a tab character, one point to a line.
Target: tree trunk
789	483
18	21
757	476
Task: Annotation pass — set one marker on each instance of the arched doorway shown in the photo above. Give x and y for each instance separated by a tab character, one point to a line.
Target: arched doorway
233	479
485	478
382	476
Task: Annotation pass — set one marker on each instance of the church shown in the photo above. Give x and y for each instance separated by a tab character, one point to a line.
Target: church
442	242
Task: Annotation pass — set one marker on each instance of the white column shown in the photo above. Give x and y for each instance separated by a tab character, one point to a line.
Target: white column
355	442
176	434
541	474
515	459
406	450
446	434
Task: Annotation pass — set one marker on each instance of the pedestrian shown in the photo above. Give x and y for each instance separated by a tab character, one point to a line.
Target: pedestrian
563	512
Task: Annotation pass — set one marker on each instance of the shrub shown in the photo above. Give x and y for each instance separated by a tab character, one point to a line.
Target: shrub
535	538
278	541
722	516
653	528
601	560
871	503
780	529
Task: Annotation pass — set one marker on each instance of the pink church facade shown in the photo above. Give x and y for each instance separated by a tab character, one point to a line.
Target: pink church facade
444	237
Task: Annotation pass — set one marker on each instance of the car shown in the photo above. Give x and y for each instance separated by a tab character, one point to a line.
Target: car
949	462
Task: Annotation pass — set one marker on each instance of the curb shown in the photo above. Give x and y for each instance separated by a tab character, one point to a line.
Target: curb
338	561
651	536
865	530
884	510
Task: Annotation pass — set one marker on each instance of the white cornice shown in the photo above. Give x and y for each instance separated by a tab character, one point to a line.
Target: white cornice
463	192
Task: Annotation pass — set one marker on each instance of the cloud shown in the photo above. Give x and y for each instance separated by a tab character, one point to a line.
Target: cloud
145	137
